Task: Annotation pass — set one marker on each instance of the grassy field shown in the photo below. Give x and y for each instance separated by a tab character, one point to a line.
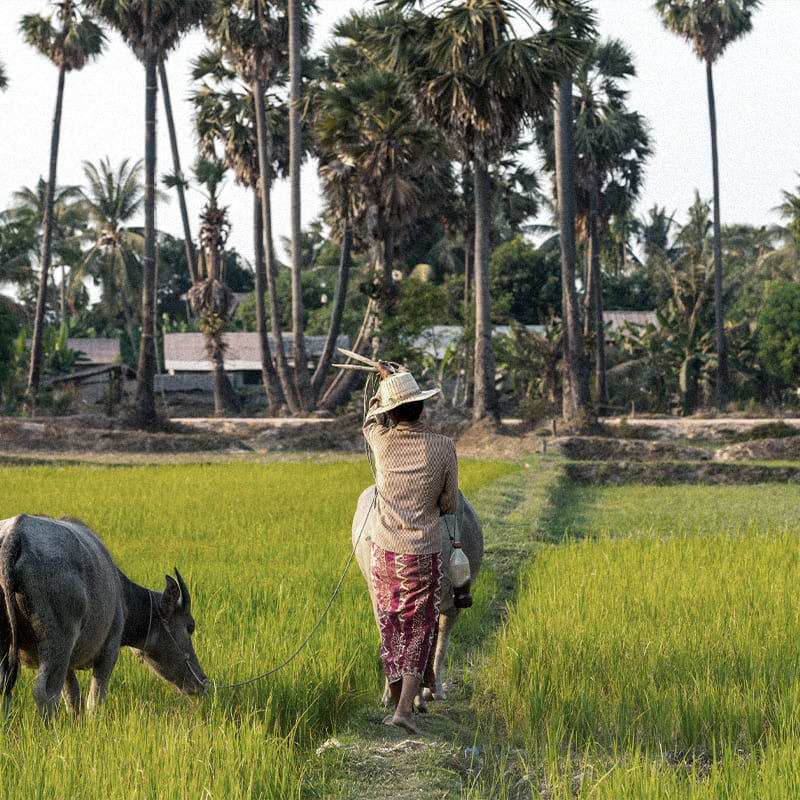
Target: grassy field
261	548
653	650
626	642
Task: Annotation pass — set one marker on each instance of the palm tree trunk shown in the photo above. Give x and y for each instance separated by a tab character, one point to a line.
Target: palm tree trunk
467	273
337	311
47	240
226	400
191	257
281	362
145	373
302	380
269	376
723	380
62	295
597	299
123	298
588	294
341	382
576	382
485	398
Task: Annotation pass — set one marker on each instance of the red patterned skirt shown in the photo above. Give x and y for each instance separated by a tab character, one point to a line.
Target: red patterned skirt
408	591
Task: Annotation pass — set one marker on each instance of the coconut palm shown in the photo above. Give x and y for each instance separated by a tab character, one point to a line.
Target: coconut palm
113	198
789	209
69	39
151	28
477	82
710	26
18	239
687	280
68	218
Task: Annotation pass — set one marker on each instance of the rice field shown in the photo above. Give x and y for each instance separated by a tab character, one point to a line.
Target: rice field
655	651
651	650
262	548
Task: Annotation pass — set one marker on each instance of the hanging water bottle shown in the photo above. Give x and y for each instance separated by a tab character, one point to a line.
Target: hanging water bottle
460	577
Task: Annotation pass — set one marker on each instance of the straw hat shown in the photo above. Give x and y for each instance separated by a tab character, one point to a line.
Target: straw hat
398	389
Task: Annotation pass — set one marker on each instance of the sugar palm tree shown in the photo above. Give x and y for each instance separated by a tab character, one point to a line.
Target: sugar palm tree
151	28
710	26
211	299
254	35
477	82
576	375
177	179
380	167
113	198
69	39
611	146
302	380
224	119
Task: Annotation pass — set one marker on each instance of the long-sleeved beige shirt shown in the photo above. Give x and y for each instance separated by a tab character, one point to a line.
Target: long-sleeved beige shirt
417	479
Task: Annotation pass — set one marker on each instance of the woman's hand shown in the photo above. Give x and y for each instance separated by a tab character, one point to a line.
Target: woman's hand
386	368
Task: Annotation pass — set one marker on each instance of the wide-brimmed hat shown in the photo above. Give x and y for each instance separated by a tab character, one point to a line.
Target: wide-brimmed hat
398	389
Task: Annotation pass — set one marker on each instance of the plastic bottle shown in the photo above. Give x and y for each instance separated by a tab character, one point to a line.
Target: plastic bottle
460	577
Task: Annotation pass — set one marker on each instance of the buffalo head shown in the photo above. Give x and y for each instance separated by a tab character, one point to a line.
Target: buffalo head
168	649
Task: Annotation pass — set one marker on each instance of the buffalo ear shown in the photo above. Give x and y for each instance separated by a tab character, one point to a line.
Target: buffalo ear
170	597
186	598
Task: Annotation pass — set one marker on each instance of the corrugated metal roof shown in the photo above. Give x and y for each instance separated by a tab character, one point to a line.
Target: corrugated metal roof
186	352
617	319
96	351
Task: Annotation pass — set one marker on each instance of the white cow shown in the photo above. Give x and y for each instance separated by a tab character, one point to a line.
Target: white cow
471	533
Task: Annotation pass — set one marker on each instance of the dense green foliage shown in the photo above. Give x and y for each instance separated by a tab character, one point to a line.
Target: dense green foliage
525	283
779	324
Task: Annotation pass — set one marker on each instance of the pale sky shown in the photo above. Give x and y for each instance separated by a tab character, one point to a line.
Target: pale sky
757	84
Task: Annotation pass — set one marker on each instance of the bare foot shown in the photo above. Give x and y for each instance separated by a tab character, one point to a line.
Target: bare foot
406	723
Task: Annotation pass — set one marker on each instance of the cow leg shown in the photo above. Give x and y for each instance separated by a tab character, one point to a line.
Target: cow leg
71	692
49	681
5	690
6	679
446	621
101	674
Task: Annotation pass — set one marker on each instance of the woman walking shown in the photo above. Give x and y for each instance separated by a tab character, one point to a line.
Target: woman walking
417	482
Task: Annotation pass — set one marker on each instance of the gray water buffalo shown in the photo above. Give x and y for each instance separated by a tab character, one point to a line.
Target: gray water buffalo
471	542
67	606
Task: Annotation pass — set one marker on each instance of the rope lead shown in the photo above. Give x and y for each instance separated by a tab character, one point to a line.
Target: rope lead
305	641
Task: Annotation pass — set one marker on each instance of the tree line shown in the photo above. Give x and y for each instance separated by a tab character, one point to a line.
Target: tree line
418	117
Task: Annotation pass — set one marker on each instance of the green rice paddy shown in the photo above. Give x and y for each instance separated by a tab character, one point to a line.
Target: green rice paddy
652	648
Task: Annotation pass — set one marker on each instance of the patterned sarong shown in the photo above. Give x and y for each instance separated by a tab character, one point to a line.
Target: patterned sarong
408	591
